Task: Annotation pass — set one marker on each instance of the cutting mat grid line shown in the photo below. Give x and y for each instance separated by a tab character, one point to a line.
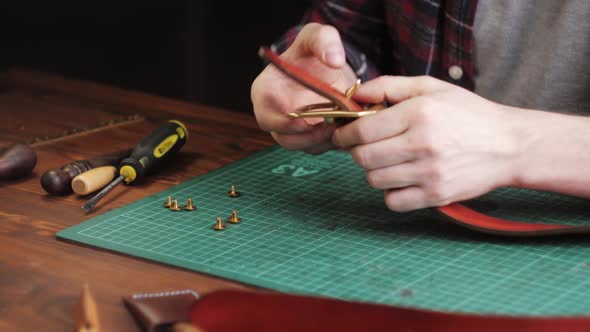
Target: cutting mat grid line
311	225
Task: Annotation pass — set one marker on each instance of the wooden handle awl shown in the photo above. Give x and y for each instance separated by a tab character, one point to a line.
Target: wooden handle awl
17	161
59	181
93	180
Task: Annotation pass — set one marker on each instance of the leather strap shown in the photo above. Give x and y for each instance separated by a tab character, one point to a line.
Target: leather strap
309	81
456	212
157	311
232	310
464	216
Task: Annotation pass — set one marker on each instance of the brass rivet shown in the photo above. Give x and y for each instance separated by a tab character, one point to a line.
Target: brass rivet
189	205
219	224
168	202
233	192
174	206
234	219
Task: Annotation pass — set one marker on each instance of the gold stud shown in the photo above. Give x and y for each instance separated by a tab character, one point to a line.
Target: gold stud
219	226
189	205
234	219
168	202
233	192
174	206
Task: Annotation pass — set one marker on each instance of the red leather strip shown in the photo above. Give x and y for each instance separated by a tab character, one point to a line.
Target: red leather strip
309	81
232	310
458	213
465	216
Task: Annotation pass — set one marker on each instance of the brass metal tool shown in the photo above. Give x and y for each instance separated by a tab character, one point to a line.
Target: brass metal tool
341	106
330	111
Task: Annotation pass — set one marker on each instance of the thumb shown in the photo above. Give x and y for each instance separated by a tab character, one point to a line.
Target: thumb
394	89
320	41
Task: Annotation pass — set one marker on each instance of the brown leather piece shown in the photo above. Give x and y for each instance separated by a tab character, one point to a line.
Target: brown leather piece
232	310
159	311
456	212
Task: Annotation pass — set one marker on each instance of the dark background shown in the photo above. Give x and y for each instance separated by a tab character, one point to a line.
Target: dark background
199	51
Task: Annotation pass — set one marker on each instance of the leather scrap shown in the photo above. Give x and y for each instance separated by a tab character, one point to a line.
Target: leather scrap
159	311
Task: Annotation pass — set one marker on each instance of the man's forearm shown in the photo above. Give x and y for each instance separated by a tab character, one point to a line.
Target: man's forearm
555	152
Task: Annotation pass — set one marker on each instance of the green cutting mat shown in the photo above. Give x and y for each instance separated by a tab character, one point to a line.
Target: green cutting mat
312	225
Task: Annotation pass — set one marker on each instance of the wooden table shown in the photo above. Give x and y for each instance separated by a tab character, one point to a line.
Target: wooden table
40	277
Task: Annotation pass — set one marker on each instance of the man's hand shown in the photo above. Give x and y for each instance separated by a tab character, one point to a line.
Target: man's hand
318	49
438	144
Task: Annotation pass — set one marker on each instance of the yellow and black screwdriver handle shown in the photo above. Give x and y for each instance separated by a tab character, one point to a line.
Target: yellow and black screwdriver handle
153	151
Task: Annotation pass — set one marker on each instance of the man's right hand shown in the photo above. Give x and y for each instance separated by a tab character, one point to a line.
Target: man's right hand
318	50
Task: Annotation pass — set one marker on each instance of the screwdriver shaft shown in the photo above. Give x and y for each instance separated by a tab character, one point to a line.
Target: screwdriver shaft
92	202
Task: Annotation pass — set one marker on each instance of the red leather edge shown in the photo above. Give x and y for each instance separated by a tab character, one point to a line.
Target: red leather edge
309	81
465	216
232	310
456	212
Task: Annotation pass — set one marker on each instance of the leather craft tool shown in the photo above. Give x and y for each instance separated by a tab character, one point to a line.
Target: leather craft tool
149	155
20	159
234	310
456	212
93	180
58	181
17	161
86	313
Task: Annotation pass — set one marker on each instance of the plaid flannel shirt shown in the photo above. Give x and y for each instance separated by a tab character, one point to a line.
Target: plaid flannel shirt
400	37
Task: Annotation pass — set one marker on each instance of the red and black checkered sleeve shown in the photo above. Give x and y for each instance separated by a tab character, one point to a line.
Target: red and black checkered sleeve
361	26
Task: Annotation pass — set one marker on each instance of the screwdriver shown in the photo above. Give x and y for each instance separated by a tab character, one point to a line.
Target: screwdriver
149	155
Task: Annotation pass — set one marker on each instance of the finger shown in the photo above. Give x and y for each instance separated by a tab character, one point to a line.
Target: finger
386	123
321	41
394	89
393	177
271	119
314	141
321	148
384	153
406	199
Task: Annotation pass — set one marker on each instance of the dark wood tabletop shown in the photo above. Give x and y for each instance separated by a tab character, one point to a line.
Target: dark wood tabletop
41	278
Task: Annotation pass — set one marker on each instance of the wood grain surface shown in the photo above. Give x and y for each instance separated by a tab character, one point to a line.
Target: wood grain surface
40	277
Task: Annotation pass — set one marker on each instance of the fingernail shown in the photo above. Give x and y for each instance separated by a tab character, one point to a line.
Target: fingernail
335	57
